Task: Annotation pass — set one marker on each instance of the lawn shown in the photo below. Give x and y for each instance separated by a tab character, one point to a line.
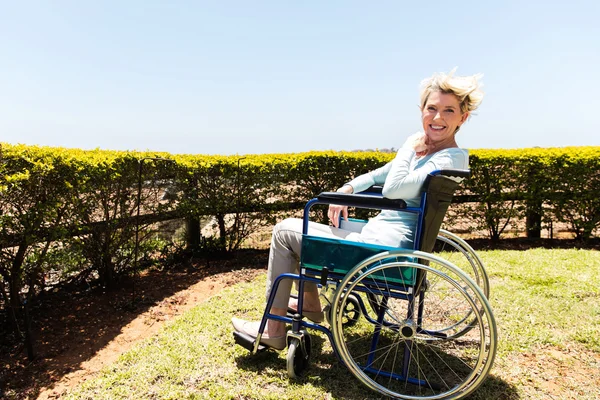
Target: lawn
546	303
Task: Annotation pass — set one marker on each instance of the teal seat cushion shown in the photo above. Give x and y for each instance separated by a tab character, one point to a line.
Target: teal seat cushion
340	256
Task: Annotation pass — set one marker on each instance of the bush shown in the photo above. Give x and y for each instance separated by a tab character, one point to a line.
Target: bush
76	211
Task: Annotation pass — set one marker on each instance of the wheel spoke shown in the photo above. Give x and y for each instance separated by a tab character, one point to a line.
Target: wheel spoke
398	356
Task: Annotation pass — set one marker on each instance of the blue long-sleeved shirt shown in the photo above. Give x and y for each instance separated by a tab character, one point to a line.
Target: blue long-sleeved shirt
403	178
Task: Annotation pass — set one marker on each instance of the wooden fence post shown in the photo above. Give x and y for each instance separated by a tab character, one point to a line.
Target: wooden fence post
533	218
533	204
193	233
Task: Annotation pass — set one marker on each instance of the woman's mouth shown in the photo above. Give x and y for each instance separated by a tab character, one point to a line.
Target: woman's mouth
437	127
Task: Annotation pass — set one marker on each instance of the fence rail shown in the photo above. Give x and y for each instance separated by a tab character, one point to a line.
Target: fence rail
64	232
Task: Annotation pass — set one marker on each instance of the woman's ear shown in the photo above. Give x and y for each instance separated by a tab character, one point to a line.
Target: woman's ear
464	117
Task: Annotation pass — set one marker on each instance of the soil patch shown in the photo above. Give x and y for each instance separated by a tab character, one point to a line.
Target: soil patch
78	333
556	373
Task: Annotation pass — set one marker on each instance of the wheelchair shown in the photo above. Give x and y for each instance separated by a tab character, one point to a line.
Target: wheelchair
407	323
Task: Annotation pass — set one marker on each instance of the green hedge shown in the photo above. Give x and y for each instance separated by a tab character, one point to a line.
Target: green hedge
555	184
70	214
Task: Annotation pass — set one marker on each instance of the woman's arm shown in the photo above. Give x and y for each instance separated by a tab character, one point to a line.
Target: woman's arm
365	181
402	183
358	184
414	143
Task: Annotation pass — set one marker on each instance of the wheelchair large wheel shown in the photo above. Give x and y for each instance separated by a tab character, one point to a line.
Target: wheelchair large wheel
458	252
405	352
298	355
454	249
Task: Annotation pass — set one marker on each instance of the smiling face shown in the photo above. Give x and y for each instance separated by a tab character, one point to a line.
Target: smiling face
442	117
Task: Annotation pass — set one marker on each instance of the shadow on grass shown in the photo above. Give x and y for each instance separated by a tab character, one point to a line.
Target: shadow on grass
326	371
270	358
69	327
494	388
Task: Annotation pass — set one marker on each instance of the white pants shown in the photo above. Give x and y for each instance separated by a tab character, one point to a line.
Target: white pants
284	257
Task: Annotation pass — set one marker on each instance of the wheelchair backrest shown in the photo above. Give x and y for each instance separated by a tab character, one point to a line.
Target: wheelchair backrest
438	191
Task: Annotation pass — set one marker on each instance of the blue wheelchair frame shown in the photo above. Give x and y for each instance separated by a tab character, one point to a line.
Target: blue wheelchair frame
386	273
369	199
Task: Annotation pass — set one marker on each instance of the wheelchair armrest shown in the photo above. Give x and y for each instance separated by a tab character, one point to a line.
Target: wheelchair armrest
361	200
453	173
375	189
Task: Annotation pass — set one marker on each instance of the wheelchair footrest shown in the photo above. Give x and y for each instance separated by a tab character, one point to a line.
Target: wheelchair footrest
247	341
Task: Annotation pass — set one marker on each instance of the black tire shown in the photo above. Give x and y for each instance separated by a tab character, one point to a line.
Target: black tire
298	355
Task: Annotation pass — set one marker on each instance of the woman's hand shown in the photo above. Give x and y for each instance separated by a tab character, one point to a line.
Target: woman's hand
419	143
336	211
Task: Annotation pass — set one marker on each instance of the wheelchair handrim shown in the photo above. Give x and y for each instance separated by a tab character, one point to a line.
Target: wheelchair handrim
479	371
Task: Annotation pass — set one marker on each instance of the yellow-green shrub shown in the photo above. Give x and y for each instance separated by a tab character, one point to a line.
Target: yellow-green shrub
48	194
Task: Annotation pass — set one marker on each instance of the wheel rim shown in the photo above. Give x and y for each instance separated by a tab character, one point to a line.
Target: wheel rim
458	252
465	258
404	351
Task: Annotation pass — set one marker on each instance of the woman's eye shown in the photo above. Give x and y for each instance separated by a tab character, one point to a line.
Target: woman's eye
450	110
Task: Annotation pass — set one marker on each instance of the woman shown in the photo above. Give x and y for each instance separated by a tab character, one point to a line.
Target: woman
446	103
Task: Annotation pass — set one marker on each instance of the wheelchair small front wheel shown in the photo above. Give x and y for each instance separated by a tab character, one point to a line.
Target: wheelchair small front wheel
298	355
351	311
349	314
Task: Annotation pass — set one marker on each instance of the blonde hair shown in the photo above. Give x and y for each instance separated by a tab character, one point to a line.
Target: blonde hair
467	89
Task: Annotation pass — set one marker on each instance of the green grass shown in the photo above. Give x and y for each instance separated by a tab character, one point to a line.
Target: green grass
546	303
545	297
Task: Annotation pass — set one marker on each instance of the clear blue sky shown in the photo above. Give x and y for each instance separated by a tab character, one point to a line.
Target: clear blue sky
239	77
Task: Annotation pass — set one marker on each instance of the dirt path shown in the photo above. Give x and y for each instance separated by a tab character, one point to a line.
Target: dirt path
78	333
145	325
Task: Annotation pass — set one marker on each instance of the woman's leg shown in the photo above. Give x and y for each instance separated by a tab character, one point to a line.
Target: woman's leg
284	256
